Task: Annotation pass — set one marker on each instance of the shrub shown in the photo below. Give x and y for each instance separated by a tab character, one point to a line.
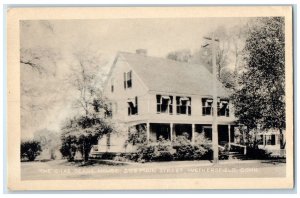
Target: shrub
160	151
164	150
256	153
68	147
30	149
136	136
108	156
185	150
146	152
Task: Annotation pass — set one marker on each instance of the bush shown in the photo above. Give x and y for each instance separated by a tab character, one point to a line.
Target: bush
108	156
30	149
185	150
160	151
256	153
68	147
164	150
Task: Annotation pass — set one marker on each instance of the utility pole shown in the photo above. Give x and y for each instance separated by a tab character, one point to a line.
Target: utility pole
215	137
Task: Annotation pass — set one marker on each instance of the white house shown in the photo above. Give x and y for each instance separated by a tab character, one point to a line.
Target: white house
165	97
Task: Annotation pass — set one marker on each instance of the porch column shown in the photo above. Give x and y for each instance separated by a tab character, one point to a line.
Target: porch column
171	131
193	133
229	136
148	131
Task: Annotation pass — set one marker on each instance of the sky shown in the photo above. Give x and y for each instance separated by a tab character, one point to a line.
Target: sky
106	36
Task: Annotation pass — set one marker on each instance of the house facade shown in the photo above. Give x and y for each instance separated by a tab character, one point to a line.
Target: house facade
166	98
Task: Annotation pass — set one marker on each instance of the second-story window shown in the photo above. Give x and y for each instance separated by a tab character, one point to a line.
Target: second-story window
127	79
183	105
222	106
164	104
207	106
133	106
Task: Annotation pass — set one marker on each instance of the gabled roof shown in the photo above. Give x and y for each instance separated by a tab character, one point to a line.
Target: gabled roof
164	75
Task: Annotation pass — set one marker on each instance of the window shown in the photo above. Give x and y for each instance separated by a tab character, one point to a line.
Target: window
164	104
222	106
270	139
127	79
207	106
183	105
133	106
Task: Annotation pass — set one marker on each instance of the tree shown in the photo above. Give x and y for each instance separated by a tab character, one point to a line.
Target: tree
39	58
184	55
49	141
82	132
259	98
30	149
91	122
204	55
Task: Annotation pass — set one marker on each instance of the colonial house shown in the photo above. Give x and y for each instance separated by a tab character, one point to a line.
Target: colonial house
165	97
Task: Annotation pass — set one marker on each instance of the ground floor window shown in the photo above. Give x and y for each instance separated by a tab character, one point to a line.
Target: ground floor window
270	139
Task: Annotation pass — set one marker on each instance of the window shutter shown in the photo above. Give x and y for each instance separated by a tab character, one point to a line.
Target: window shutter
136	105
124	80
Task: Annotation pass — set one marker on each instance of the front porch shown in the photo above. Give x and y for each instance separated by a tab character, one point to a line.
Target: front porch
169	131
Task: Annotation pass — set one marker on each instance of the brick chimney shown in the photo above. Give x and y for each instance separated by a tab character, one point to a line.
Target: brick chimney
141	52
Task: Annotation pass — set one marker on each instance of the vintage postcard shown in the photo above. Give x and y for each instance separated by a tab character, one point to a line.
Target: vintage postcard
117	98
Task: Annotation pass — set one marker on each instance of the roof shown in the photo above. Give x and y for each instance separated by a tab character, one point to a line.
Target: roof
165	75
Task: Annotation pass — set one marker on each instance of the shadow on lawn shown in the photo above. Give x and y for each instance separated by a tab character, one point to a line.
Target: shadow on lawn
93	162
274	161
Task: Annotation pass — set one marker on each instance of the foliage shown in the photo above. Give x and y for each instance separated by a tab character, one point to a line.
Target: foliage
160	151
184	148
68	147
228	53
259	99
164	150
256	153
30	149
184	55
137	136
86	130
38	69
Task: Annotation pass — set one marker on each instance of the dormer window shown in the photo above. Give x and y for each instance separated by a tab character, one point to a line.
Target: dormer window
183	105
164	104
128	79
